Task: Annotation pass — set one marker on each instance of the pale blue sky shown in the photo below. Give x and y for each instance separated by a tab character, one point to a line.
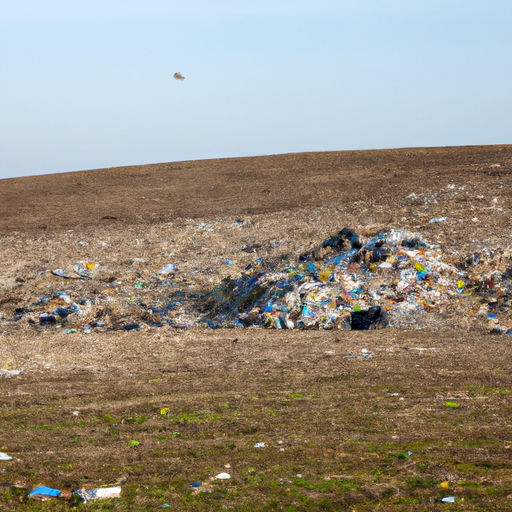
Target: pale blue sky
88	84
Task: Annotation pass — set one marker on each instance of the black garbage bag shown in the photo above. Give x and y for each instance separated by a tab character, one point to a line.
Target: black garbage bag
371	318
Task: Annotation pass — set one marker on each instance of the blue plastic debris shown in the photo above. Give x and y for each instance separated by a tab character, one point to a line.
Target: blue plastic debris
194	485
65	297
45	319
132	327
43	491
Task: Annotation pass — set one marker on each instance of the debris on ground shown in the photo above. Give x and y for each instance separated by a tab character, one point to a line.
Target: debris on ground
394	278
7	374
98	494
43	493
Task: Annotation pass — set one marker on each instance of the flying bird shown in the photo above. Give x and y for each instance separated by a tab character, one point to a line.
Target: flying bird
178	76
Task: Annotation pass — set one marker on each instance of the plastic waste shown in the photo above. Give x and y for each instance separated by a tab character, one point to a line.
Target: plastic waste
448	499
394	278
46	319
345	283
259	445
364	320
7	374
366	354
132	327
168	269
43	493
100	493
60	273
223	476
194	485
438	219
83	269
4	456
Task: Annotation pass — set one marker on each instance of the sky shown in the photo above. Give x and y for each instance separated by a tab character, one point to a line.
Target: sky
89	84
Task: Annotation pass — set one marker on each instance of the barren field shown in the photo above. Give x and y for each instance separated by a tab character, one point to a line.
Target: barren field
390	419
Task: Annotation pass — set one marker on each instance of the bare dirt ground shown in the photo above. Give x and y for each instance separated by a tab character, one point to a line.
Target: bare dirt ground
425	417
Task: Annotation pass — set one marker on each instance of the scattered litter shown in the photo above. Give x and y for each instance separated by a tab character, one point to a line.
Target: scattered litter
366	354
394	278
279	442
83	269
453	405
4	456
298	475
340	285
438	219
194	485
43	493
448	499
98	494
60	273
168	269
65	297
259	445
7	374
132	327
444	485
223	476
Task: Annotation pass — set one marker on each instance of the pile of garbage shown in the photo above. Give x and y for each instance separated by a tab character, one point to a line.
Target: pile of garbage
394	278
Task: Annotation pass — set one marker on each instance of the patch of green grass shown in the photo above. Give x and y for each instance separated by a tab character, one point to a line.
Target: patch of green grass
135	419
110	419
488	390
420	482
195	417
58	426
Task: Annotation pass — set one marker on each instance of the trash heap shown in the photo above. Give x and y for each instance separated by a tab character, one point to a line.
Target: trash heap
395	279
